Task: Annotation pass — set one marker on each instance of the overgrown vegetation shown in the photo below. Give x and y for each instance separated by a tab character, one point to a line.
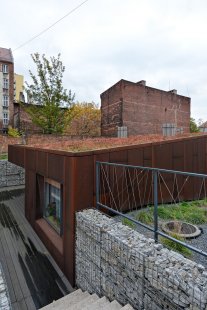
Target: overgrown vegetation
172	245
145	217
3	156
128	222
13	132
191	212
193	125
83	119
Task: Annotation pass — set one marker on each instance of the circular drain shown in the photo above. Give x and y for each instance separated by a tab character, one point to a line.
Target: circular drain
182	229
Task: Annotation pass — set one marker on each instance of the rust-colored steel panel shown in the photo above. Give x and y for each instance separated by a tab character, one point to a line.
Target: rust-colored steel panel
118	156
16	155
135	156
76	173
41	163
148	156
56	167
30	159
84	187
163	156
69	189
30	196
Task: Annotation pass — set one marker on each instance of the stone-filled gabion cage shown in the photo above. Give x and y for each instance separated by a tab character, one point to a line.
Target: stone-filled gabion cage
115	261
10	174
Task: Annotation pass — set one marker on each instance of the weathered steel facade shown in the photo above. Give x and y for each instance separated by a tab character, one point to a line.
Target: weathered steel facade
76	174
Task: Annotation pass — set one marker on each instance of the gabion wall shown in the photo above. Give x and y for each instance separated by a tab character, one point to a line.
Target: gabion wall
10	174
119	263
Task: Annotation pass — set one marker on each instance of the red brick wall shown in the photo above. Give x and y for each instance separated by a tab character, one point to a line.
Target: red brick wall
111	110
23	121
142	109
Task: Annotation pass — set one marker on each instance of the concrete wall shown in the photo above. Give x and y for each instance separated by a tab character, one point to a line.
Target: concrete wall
142	109
118	262
10	174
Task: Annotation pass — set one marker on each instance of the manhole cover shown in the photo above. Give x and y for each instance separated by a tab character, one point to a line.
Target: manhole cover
181	229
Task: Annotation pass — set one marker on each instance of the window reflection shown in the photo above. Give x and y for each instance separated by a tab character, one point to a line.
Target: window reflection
53	208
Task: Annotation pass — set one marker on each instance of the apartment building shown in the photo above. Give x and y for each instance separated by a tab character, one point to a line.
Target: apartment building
6	88
18	88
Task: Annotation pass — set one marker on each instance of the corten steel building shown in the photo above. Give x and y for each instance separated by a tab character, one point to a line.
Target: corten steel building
6	88
141	109
59	183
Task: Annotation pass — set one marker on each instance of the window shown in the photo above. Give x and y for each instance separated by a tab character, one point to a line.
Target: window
5	68
6	84
53	205
5	101
5	119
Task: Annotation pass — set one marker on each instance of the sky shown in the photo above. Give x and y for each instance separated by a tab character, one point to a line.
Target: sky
160	41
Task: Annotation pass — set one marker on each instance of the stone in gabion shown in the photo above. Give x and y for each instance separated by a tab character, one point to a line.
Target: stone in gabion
122	264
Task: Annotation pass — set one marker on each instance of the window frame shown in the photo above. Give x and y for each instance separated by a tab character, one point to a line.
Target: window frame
48	183
5	101
5	68
6	83
5	118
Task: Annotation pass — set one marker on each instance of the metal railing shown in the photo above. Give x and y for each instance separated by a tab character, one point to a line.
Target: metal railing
122	189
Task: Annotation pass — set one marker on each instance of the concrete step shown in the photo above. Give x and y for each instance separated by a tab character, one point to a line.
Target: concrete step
100	304
79	300
80	304
114	305
127	307
66	301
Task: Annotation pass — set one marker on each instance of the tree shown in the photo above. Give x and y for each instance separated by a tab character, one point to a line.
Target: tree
84	119
193	125
46	94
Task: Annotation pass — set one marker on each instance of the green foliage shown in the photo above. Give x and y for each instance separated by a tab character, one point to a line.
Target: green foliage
191	212
129	223
172	245
12	132
84	119
193	125
187	212
145	216
46	93
3	156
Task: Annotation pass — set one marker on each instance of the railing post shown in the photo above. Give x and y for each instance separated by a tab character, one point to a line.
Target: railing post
97	184
155	172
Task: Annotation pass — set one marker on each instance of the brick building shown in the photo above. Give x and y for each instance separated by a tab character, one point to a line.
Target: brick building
6	88
142	109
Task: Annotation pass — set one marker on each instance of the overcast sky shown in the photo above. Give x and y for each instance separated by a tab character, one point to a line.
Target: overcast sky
161	41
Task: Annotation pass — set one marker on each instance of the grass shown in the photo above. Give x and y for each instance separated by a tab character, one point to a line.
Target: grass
191	212
145	217
172	245
129	223
3	156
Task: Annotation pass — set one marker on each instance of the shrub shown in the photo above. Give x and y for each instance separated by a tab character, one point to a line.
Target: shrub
12	132
145	217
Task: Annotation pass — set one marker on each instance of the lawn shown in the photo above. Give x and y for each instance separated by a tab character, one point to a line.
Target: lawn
194	212
4	156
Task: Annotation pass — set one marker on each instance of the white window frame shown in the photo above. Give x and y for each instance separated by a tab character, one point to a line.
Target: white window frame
6	83
5	68
5	118
5	100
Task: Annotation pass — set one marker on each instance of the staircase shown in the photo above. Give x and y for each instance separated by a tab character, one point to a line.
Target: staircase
79	300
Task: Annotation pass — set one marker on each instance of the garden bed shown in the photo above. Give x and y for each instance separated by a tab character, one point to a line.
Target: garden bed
194	212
